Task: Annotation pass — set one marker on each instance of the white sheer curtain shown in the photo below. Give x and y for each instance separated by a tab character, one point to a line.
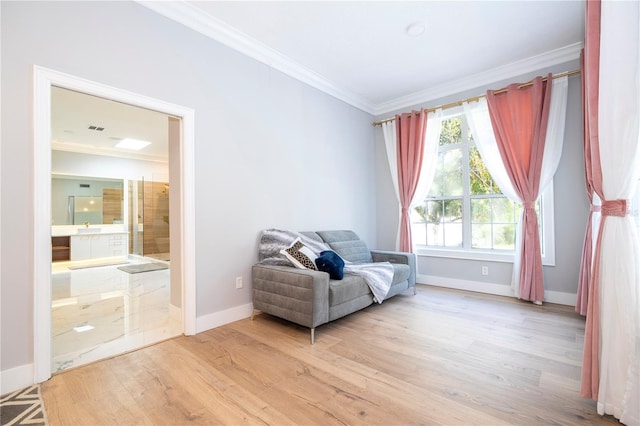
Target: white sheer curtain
619	275
477	114
430	158
429	161
555	131
389	133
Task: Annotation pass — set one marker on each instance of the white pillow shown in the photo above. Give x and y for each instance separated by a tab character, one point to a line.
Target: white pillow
300	256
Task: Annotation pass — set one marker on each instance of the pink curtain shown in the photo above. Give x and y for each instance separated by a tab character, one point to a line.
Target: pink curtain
591	78
410	130
587	246
519	119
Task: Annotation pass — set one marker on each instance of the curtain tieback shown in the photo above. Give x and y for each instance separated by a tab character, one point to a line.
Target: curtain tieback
595	209
529	204
618	208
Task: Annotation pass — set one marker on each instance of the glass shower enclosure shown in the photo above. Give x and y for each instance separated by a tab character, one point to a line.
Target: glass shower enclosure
149	219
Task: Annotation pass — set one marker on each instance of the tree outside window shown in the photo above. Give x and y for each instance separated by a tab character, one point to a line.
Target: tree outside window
464	209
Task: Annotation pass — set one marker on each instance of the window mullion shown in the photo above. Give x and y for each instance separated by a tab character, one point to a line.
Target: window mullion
466	201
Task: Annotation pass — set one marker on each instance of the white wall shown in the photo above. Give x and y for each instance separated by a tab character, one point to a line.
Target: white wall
270	151
570	199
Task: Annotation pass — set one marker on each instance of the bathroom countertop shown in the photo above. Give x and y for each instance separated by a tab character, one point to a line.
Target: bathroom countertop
64	231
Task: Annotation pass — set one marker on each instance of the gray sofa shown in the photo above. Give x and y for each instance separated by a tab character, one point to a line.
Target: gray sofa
310	298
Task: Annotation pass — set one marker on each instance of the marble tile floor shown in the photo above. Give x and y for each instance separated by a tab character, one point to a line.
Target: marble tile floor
101	311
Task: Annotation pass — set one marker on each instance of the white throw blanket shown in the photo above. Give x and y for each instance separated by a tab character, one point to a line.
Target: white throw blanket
378	275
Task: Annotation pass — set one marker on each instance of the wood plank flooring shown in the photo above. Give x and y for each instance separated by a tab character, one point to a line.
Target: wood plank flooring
442	357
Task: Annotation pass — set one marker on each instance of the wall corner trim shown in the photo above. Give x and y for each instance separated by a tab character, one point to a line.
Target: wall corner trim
504	72
192	17
16	378
216	319
550	296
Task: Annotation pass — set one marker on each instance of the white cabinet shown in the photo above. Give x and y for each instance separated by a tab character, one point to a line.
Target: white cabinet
118	244
85	247
81	247
99	246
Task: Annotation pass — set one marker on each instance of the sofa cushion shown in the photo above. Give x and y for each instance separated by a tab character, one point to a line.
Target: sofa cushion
330	262
351	287
300	256
348	245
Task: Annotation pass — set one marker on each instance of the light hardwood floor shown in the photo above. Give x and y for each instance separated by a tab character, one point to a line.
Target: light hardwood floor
440	357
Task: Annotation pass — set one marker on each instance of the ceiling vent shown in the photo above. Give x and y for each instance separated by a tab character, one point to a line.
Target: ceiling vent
96	128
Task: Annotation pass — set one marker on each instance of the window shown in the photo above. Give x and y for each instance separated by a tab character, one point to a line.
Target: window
465	213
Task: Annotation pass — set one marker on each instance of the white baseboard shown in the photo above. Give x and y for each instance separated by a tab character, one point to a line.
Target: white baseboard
16	378
207	322
492	288
560	297
477	286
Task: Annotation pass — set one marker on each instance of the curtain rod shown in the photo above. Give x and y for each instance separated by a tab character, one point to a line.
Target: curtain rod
475	98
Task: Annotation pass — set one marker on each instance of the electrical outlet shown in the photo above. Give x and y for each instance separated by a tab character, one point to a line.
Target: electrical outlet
238	282
485	270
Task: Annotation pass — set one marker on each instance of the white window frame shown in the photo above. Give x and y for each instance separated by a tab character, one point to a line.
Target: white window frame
547	235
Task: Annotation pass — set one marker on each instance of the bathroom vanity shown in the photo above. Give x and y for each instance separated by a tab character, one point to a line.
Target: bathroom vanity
74	243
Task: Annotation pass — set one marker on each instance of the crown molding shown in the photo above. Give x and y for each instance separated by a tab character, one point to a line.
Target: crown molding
194	18
514	69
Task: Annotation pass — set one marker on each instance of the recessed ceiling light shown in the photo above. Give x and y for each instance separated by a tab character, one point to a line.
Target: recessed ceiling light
132	144
83	328
415	29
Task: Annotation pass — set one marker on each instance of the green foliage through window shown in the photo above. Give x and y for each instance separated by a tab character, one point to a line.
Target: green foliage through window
451	131
462	184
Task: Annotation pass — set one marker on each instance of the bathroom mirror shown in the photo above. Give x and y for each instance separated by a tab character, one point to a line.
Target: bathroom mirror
79	199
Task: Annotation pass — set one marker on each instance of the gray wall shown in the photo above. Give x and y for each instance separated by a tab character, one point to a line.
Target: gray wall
571	203
270	151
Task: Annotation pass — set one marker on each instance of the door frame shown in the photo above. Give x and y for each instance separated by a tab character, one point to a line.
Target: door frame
43	80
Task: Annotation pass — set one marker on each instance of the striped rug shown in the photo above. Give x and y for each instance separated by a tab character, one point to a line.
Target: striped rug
23	407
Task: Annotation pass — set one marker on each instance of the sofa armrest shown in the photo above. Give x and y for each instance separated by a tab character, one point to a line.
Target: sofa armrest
297	295
397	257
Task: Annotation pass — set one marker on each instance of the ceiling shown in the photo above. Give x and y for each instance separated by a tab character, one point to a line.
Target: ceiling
356	51
94	125
359	51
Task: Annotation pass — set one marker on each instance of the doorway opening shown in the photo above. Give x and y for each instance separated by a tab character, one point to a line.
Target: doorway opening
111	207
182	235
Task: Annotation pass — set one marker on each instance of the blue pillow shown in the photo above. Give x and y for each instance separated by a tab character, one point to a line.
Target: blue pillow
330	262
